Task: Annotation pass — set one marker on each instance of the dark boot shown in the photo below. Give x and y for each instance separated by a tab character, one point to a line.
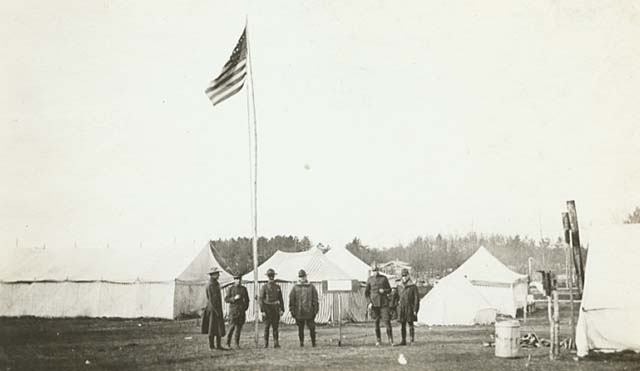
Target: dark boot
378	335
412	334
390	336
237	338
313	337
266	340
229	336
403	333
219	343
276	344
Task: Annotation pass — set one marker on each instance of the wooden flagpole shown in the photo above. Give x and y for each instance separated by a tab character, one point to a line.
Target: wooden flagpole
254	181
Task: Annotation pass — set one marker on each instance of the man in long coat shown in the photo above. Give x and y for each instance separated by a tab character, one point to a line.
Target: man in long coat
271	307
213	320
376	291
303	306
238	300
408	306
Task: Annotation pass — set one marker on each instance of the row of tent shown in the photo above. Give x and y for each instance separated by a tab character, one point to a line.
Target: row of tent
169	283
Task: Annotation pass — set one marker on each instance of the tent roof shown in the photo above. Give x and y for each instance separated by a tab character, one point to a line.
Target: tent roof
287	265
349	263
484	267
107	264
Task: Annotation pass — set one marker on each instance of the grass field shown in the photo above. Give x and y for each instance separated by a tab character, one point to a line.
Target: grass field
143	344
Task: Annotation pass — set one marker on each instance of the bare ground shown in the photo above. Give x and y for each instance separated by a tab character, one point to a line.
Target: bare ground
145	344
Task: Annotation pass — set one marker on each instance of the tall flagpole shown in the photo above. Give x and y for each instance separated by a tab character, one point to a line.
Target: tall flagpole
255	185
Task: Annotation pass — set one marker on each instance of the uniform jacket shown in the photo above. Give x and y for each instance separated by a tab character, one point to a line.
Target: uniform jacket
213	320
409	301
237	307
372	290
271	294
303	301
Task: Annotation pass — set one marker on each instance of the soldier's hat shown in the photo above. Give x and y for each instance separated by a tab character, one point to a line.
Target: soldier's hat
302	273
404	272
214	270
374	267
271	272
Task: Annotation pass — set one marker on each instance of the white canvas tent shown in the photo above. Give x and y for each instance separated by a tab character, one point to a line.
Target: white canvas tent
609	316
455	301
503	288
349	263
104	282
318	268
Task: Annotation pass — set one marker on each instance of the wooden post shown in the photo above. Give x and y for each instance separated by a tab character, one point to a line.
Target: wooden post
549	313
339	321
578	261
556	323
567	240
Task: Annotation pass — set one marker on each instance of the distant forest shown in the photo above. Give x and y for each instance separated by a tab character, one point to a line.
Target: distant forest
429	256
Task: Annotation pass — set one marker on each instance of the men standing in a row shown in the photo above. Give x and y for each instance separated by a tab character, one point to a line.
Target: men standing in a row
376	292
238	300
213	320
271	307
303	306
408	306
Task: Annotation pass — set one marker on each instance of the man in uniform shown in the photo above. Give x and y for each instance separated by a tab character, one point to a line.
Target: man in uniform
271	307
408	305
213	320
376	292
303	306
238	300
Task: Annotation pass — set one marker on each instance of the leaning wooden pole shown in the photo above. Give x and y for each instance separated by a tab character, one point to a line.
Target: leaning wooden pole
575	244
567	240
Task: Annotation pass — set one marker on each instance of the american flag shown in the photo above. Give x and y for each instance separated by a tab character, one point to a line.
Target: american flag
231	79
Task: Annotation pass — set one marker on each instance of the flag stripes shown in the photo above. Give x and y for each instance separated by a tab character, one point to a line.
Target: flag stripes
231	79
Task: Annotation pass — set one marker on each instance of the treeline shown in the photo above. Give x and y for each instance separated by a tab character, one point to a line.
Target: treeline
236	256
431	256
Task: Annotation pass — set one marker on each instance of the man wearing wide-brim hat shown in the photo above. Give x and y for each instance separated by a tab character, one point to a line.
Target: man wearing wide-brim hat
213	319
238	299
408	306
376	291
303	306
271	307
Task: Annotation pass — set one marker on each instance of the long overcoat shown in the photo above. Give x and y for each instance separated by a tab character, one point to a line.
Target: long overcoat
213	319
303	301
409	302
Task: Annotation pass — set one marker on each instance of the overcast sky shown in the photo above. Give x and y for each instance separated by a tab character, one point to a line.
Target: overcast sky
378	119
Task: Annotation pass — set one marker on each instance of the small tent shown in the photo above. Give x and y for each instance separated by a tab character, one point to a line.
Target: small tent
318	268
455	301
105	282
349	263
609	316
503	288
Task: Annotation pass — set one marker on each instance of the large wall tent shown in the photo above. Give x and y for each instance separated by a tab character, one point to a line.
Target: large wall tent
105	282
503	288
318	268
455	301
349	263
609	316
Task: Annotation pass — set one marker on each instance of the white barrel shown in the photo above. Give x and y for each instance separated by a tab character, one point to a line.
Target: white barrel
507	338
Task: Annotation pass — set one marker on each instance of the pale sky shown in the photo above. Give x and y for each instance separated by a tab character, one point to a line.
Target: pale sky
384	120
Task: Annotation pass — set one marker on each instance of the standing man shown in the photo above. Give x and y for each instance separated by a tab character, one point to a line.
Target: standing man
408	306
213	321
376	292
238	300
271	307
303	306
